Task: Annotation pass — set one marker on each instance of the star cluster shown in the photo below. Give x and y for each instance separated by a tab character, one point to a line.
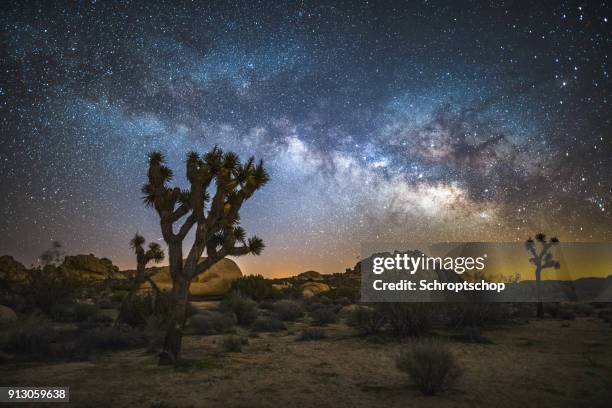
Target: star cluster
411	121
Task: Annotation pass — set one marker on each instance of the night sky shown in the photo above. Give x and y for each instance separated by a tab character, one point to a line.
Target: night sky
393	121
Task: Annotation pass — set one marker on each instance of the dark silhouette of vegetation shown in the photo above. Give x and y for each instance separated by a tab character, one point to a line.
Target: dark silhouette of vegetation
52	256
216	222
244	309
366	320
408	319
233	344
312	334
143	307
143	257
211	322
268	324
460	315
322	316
431	366
542	258
33	337
256	287
287	310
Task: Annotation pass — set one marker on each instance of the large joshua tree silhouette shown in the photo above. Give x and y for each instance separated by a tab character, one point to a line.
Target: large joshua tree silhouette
216	222
542	258
143	257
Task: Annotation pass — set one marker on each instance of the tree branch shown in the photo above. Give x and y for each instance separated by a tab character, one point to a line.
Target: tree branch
186	227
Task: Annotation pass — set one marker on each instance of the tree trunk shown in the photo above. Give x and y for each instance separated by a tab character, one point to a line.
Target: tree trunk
127	300
540	307
156	292
176	321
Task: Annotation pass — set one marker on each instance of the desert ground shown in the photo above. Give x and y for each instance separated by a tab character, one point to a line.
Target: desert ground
541	363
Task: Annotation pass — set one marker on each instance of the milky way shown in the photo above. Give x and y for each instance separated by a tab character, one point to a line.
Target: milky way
388	121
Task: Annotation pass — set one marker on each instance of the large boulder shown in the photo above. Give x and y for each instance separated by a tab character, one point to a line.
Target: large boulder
7	314
215	282
310	276
90	266
282	286
309	289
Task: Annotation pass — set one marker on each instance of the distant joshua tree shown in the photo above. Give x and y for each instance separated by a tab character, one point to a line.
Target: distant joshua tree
216	223
155	254
52	256
542	258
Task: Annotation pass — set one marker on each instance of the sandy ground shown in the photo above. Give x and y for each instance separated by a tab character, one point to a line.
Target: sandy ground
540	364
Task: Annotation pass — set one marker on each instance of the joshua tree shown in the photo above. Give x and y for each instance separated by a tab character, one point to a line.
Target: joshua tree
52	256
542	258
215	221
155	254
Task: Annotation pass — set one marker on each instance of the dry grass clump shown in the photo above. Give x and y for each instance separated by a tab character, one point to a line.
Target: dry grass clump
431	365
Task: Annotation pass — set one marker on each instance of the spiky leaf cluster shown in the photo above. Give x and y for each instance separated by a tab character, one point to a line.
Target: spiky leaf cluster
216	219
154	252
540	249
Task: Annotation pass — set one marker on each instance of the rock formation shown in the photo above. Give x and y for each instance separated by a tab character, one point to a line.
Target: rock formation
216	281
309	289
310	276
11	270
90	266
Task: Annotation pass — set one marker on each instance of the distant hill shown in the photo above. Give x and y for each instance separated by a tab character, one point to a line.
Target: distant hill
579	290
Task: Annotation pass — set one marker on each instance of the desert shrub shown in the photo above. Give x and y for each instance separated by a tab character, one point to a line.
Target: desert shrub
233	344
111	338
408	319
51	286
287	310
117	296
245	309
431	366
605	315
312	304
323	316
472	334
12	298
86	312
143	306
266	305
459	315
347	292
566	313
584	309
63	312
366	320
32	336
311	333
552	309
563	311
211	322
256	287
268	324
